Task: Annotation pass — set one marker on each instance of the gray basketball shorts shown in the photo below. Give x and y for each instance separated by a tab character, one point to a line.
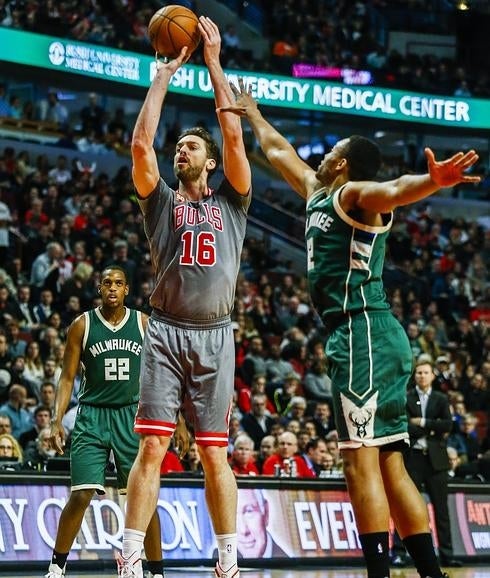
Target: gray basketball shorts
187	365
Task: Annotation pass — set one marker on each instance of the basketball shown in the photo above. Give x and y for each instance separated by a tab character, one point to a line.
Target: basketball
173	27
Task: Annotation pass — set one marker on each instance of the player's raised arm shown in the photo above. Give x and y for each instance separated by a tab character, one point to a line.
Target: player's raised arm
71	364
235	163
384	197
145	164
279	152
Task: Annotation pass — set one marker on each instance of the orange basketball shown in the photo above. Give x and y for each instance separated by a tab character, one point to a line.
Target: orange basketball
173	27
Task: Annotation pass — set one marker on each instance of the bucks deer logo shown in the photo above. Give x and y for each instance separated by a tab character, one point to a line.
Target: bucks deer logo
360	417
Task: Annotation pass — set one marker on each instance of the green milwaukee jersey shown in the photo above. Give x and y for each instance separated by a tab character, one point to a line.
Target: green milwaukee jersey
345	260
111	360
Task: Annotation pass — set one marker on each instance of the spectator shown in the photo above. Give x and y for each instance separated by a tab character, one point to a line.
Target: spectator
92	116
45	264
51	110
122	260
254	362
443	373
465	441
309	426
5	356
192	461
42	418
267	448
79	285
262	318
242	460
476	395
323	418
48	340
5	223
282	396
24	312
314	456
71	311
316	383
60	174
47	395
333	449
5	424
277	368
5	109
17	369
10	453
33	369
231	43
284	51
454	463
234	430
171	462
16	345
7	305
20	418
44	308
257	424
284	457
38	452
428	343
293	425
297	410
245	394
292	315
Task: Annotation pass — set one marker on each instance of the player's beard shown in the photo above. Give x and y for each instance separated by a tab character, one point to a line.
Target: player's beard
188	174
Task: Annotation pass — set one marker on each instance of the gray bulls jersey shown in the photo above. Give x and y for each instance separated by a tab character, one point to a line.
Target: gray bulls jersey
195	250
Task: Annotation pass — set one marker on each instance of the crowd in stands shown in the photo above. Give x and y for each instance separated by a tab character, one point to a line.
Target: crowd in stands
62	223
334	33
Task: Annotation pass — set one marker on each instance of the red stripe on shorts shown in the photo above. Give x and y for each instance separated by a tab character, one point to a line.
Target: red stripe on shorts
154	427
209	438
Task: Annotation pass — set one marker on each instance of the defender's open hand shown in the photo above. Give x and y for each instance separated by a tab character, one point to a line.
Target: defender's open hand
451	171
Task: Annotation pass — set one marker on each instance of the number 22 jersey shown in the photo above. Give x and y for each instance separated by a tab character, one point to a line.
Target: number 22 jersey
111	357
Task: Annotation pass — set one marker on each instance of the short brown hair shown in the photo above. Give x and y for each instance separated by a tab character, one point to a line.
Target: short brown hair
212	147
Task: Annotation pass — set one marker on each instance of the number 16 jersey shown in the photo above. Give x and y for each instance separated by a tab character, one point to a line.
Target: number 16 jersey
111	357
195	250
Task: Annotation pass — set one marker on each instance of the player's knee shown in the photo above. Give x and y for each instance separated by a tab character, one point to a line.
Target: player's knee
153	448
350	470
213	457
81	498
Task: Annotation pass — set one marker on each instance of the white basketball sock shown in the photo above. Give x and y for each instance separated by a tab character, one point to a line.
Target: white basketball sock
226	550
132	542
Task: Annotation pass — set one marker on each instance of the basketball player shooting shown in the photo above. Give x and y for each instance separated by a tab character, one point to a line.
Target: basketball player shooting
196	236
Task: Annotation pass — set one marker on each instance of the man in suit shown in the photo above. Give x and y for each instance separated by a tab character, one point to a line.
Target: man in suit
429	424
24	310
257	423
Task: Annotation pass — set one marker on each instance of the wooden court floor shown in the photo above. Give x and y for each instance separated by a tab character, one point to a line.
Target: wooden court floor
337	572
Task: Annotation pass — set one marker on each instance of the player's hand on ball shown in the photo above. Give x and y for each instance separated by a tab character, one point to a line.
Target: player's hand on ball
174	64
211	36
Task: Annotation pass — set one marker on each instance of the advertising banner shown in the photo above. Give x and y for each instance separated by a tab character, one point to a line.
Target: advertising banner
272	523
111	64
